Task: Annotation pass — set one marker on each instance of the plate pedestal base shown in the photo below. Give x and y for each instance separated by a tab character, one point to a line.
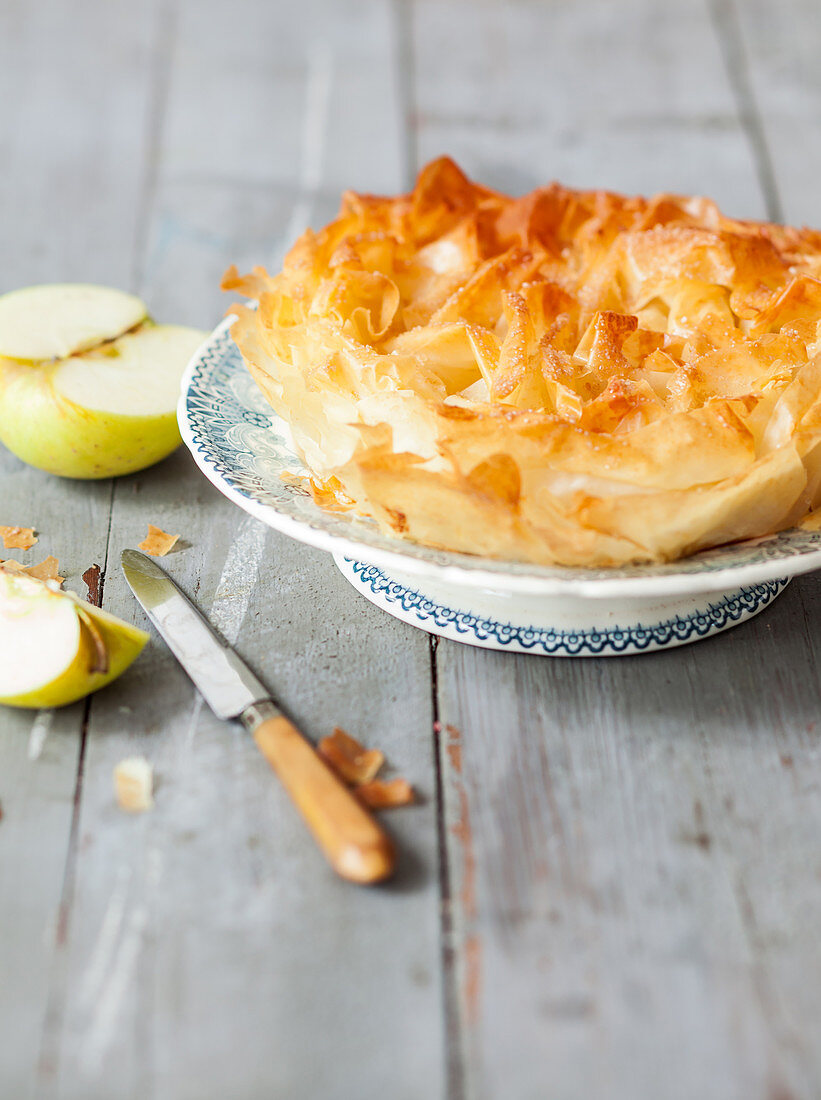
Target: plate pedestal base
557	626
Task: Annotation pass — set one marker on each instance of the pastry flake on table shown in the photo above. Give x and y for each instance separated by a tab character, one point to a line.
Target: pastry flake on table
157	542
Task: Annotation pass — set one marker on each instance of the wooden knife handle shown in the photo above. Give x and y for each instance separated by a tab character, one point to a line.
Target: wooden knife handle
354	845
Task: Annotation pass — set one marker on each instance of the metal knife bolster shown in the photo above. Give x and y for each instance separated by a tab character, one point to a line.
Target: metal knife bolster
253	717
224	680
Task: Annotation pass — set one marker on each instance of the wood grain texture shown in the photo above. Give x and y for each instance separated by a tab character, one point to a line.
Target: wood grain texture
209	951
632	879
778	47
632	96
39	777
71	134
629	841
610	888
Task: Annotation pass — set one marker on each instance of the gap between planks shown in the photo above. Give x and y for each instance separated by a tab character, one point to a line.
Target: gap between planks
451	1002
453	1022
158	97
728	32
55	1004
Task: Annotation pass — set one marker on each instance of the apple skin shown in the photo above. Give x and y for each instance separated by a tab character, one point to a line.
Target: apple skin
123	644
45	429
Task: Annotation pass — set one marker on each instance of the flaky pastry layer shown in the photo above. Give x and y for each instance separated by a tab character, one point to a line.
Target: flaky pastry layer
571	377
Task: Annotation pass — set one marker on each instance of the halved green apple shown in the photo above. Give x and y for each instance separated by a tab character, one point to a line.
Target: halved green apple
56	320
107	405
55	649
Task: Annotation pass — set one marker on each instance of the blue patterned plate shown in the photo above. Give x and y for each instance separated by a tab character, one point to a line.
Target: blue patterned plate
560	628
244	449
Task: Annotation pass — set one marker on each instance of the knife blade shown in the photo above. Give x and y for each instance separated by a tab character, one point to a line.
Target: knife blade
352	841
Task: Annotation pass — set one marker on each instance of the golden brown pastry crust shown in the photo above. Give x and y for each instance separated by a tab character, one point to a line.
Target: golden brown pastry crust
570	377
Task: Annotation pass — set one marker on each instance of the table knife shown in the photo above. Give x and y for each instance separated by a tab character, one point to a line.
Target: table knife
354	844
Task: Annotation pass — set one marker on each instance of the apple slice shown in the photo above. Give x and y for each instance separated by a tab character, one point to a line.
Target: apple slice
100	413
53	321
55	649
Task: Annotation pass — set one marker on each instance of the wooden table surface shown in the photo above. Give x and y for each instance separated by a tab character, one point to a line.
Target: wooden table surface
611	886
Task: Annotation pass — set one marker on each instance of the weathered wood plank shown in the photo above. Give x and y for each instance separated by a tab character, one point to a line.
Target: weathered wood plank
777	48
632	876
238	962
631	96
209	950
39	755
636	873
728	29
76	110
71	139
632	887
286	117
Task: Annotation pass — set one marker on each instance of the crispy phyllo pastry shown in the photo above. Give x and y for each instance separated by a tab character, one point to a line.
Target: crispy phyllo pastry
157	542
350	759
571	377
18	538
46	570
380	794
359	766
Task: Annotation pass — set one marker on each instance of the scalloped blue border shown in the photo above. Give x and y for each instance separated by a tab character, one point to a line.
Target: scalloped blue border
616	640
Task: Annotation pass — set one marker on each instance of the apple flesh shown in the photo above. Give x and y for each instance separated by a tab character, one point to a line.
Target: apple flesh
55	649
102	413
88	385
53	321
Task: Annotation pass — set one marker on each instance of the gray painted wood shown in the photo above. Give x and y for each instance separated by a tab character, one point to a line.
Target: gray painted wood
632	875
209	951
71	135
632	96
634	866
39	754
240	964
777	47
610	887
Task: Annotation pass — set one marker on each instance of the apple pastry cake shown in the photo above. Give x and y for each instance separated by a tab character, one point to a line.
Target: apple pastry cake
572	377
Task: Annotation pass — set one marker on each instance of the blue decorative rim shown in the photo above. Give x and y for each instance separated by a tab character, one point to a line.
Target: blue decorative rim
464	625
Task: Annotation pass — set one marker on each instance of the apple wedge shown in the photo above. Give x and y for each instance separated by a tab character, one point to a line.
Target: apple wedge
55	649
99	412
61	319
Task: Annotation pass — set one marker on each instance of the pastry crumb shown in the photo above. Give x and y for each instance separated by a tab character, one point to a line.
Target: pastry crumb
359	766
18	538
380	794
157	542
134	784
349	759
46	570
